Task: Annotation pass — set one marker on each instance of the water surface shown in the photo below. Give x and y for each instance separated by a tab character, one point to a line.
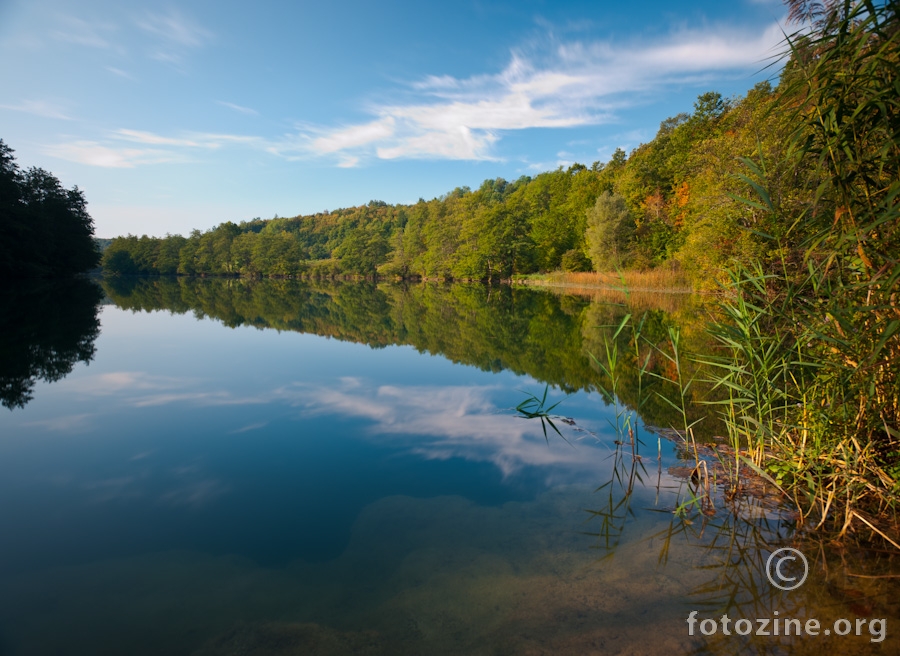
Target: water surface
233	467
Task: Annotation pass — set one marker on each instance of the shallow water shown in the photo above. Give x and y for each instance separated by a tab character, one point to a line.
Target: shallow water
341	470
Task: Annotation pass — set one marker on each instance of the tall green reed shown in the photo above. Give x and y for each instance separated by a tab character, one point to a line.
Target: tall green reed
811	339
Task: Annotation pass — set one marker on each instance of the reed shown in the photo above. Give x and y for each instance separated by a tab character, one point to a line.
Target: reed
811	342
795	412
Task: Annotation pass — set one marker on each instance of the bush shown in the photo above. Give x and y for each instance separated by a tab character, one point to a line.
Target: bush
574	260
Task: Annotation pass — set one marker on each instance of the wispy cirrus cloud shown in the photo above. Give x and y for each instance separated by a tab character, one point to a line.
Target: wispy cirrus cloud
38	108
150	138
238	108
189	140
175	34
118	72
175	29
77	31
93	153
566	85
549	85
151	148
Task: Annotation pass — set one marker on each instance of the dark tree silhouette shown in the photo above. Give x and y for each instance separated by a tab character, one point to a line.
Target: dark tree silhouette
45	229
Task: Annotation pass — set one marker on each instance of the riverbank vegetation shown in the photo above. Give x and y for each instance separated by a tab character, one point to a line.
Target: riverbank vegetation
807	353
812	334
660	279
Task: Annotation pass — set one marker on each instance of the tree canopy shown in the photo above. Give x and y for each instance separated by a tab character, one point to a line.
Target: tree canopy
45	229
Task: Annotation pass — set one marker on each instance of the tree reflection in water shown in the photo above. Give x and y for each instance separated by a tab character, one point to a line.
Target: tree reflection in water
47	327
530	332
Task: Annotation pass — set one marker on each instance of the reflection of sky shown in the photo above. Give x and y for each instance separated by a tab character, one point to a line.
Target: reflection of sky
432	421
185	434
445	422
174	365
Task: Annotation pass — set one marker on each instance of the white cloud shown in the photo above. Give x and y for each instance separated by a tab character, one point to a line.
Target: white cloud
551	86
163	149
568	85
170	58
119	72
93	153
190	140
83	33
155	139
238	108
175	29
352	137
175	35
39	108
458	143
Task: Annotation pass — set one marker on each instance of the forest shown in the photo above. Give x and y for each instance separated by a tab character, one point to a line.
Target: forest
670	201
45	229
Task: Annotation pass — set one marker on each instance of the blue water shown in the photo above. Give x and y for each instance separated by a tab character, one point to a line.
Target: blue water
202	489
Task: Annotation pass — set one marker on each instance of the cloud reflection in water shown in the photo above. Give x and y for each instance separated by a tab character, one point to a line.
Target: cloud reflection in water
441	422
434	422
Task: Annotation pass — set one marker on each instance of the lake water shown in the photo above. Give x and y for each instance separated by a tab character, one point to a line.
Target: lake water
273	467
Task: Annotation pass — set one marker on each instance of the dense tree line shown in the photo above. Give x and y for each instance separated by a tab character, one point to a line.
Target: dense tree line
671	199
45	229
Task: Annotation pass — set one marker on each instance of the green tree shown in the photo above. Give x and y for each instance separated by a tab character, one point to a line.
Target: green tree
609	228
118	261
363	250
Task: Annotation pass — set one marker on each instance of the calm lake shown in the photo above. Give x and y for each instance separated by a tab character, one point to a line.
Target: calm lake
194	466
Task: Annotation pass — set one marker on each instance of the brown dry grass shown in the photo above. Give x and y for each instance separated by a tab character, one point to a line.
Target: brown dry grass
657	289
661	279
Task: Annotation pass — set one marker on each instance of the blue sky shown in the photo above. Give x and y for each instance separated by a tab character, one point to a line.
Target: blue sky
183	115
